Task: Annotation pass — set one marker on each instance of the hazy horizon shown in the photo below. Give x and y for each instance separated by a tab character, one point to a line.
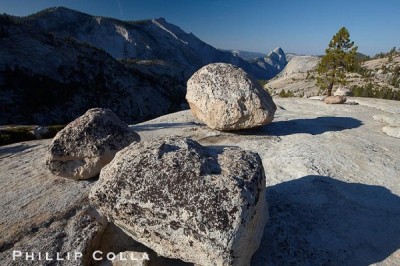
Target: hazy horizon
304	27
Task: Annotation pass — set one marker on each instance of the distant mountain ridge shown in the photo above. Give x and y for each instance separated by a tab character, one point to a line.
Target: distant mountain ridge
246	55
57	63
47	79
274	62
153	39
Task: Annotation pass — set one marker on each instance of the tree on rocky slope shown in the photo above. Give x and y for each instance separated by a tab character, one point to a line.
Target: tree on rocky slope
340	56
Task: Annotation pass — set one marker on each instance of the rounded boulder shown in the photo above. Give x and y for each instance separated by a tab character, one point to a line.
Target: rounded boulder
226	98
88	143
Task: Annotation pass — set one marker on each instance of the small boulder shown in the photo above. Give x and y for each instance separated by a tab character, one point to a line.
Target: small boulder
85	145
225	97
199	204
335	99
342	91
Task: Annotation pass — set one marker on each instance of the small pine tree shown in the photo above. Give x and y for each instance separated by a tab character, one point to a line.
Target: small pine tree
392	52
390	58
340	56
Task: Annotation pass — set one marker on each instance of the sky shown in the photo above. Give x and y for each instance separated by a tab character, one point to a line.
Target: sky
298	26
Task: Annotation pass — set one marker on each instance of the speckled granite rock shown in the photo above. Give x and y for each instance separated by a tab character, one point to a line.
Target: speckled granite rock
201	205
227	98
85	145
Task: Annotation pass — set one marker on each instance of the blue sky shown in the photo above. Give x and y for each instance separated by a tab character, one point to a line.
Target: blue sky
302	26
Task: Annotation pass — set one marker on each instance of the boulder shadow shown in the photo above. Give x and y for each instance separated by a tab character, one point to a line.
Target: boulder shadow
313	126
317	220
115	240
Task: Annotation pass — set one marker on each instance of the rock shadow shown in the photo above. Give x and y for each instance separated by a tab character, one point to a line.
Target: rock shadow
15	148
158	126
313	126
317	220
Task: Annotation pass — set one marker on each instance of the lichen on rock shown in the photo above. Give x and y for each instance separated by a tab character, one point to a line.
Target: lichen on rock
198	204
88	143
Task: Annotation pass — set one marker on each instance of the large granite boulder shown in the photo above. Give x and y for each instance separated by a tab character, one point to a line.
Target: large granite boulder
88	143
227	98
199	204
335	99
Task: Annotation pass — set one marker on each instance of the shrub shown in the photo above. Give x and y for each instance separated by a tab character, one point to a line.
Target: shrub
52	131
16	134
364	72
25	133
395	81
262	82
284	94
371	92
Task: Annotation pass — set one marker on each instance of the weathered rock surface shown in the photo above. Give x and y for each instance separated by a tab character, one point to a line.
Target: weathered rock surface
186	201
392	121
297	77
333	184
333	179
85	145
226	98
41	212
300	64
335	99
342	91
393	131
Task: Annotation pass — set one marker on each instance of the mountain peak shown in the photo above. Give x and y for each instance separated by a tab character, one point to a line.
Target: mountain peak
59	11
161	19
279	51
277	54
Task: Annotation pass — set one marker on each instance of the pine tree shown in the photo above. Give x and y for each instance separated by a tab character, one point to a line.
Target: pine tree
340	56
